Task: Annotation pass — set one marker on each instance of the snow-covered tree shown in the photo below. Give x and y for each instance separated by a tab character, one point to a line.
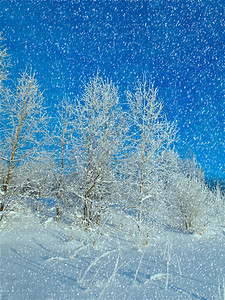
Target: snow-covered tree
97	146
22	129
152	137
3	64
62	143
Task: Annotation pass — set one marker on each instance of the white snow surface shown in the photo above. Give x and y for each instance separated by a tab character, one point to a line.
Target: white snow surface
45	259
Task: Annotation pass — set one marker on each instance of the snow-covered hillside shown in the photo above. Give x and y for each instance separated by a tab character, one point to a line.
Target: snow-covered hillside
45	259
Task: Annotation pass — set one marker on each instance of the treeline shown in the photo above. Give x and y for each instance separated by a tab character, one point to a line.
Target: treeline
94	155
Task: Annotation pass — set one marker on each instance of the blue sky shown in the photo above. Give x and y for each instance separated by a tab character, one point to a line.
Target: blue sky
179	44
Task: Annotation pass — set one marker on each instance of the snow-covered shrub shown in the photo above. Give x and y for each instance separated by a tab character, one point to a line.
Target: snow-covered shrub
218	212
34	180
190	205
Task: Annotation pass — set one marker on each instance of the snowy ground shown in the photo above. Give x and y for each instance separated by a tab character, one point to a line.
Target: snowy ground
43	259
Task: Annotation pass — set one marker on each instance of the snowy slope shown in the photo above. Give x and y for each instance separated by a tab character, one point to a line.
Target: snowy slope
43	259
